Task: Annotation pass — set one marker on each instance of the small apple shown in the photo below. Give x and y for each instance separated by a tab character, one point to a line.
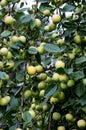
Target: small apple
18	129
8	56
69	117
55	77
63	85
46	28
5	100
15	38
84	81
32	112
10	64
27	93
1	64
45	107
38	107
4	51
6	78
56	18
71	55
56	116
39	123
54	35
63	77
31	70
3	2
41	85
60	41
81	123
42	76
39	68
33	105
22	39
61	128
46	12
38	23
59	64
70	83
8	19
77	39
52	26
53	100
48	79
41	93
40	49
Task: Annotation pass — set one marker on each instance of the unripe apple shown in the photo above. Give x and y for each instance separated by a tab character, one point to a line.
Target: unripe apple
69	117
33	114
27	93
53	100
22	39
45	107
63	77
63	85
38	23
48	79
81	123
38	107
8	56
5	100
39	123
10	64
42	76
56	116
3	2
41	85
41	93
52	27
84	81
55	77
70	83
59	64
40	49
56	18
4	51
8	19
15	38
46	12
1	64
39	68
33	105
68	15
71	55
54	35
6	78
46	28
77	39
61	128
1	83
18	129
31	70
60	41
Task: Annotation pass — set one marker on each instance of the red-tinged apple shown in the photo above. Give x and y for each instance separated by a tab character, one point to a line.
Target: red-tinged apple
81	123
56	18
31	70
56	116
4	51
22	39
46	12
8	19
38	23
61	128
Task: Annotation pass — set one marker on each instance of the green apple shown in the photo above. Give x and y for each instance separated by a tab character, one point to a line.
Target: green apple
8	19
3	2
52	26
60	95
56	18
69	117
59	64
10	64
42	76
39	68
15	38
31	70
41	93
53	100
8	56
56	116
55	77
77	39
81	123
5	100
1	64
48	79
33	105
18	129
63	77
6	78
60	41
61	128
70	83
32	113
54	35
63	85
40	49
27	93
84	81
46	28
71	55
39	123
22	39
4	51
38	23
46	12
1	83
41	85
38	107
45	107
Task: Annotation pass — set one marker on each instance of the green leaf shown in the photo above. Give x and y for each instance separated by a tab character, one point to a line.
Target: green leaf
5	33
44	6
80	90
14	103
47	61
78	75
13	127
83	100
68	8
17	63
51	92
70	102
2	75
80	60
32	50
32	23
27	117
44	1
52	48
25	18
